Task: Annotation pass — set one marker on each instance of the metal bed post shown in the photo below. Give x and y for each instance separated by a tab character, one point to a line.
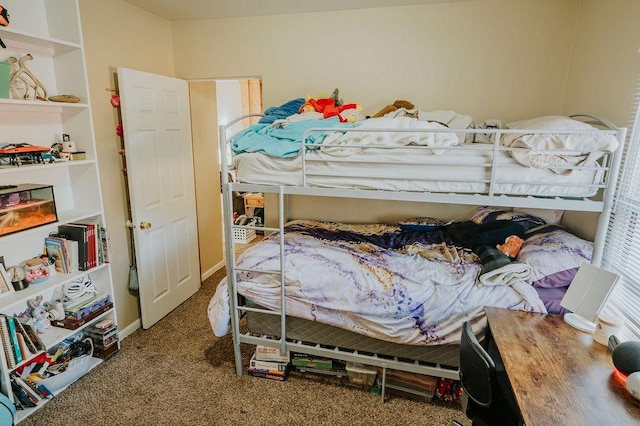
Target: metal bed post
494	163
227	192
227	197
283	297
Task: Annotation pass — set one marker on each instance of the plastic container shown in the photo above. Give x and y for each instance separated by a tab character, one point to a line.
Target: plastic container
360	374
243	235
607	325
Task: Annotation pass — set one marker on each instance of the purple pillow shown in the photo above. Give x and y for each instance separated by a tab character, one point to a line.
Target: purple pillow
554	255
551	297
559	279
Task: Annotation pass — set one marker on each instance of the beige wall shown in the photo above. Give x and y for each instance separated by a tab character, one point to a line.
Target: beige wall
488	58
117	34
604	69
505	59
207	174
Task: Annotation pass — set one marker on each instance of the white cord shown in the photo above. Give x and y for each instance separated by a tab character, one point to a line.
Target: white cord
78	287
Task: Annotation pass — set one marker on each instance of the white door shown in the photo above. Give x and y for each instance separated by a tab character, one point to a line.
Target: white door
157	135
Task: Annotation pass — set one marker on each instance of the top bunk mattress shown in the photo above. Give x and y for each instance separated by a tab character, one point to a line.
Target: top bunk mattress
552	156
457	169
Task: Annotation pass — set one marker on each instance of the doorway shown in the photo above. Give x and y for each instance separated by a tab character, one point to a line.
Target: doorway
214	102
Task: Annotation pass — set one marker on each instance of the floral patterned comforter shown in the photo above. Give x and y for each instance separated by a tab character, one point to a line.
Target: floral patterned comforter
382	281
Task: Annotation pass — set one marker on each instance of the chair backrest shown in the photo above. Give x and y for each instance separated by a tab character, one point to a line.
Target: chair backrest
477	369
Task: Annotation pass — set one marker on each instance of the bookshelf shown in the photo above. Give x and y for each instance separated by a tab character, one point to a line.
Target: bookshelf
50	31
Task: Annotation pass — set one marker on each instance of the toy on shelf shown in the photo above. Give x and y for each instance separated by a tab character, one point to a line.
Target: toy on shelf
38	313
24	79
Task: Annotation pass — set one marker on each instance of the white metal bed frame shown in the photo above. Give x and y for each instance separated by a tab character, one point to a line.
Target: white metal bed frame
609	166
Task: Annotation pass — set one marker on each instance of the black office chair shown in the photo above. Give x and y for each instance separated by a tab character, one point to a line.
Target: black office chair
490	400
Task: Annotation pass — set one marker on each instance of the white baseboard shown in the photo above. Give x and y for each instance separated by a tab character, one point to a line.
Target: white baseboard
213	270
128	330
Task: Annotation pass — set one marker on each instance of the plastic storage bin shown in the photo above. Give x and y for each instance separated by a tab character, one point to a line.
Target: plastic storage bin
360	374
243	235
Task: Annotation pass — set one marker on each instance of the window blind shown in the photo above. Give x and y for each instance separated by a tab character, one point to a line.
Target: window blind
622	246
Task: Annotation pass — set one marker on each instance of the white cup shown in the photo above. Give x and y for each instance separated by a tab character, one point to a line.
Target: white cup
606	326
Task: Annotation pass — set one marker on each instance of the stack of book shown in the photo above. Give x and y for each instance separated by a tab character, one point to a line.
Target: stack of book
19	340
78	246
104	335
269	363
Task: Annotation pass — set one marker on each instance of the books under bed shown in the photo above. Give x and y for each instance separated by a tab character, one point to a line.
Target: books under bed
395	295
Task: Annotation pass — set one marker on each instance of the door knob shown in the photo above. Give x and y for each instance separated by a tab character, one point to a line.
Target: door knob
145	225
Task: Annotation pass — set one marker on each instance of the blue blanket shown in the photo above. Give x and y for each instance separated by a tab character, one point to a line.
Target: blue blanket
282	142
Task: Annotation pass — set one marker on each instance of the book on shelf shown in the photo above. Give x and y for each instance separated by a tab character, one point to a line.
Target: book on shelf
80	234
104	245
13	335
35	392
6	342
22	397
56	247
92	227
32	340
65	251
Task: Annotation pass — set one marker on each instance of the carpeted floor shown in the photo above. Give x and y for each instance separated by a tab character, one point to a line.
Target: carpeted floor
179	373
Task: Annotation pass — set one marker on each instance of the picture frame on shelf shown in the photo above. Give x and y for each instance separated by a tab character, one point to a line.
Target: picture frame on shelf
5	283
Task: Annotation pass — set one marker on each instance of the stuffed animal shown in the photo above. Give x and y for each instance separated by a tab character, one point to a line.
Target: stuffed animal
327	107
394	106
38	313
511	246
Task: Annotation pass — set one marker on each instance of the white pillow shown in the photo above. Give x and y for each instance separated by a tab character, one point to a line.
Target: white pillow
579	142
543	148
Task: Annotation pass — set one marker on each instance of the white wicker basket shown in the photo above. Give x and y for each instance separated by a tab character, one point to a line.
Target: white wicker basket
77	368
243	235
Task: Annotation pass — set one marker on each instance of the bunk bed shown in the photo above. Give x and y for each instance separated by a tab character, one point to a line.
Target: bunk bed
548	163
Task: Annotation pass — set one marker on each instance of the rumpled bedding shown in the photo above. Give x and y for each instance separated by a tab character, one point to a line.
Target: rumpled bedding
378	280
282	141
365	136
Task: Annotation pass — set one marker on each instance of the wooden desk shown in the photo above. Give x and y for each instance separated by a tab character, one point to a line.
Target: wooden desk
559	375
